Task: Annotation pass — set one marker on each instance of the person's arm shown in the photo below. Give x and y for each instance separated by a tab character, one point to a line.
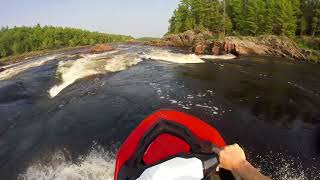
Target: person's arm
233	158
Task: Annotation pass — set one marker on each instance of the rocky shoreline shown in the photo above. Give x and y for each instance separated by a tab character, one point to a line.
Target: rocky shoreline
205	43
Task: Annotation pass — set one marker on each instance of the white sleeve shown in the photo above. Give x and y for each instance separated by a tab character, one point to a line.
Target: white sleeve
175	169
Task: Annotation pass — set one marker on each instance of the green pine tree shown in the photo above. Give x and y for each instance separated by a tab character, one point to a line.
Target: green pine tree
236	14
251	18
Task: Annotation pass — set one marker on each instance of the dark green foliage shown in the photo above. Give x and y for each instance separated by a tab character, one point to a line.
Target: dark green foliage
198	15
25	39
248	17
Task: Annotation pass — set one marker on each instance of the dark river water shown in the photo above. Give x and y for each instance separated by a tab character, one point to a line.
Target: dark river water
64	116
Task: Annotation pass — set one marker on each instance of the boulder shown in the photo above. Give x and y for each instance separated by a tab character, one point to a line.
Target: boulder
75	57
174	40
217	48
157	43
186	39
230	48
234	51
200	48
101	48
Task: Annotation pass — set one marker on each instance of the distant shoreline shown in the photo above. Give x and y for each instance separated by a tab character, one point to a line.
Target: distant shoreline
34	54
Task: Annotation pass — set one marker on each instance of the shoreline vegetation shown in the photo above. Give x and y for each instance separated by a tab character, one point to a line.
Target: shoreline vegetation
12	59
288	28
20	40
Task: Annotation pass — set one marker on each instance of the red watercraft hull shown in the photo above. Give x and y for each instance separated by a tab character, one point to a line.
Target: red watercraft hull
161	136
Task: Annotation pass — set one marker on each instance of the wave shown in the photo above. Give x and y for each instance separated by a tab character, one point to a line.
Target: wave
98	164
166	55
15	69
122	62
72	70
227	56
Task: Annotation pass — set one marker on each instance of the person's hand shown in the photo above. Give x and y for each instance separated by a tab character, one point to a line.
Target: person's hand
232	157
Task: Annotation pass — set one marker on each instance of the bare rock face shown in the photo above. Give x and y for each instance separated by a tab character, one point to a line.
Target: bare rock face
200	48
186	39
268	45
101	48
174	40
216	49
201	43
229	47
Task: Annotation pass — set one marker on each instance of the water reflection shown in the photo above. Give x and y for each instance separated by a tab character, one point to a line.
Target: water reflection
269	88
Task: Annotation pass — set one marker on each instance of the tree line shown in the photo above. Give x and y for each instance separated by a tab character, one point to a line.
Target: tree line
19	40
248	17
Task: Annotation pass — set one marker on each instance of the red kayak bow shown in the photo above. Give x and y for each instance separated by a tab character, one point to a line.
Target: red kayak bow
161	136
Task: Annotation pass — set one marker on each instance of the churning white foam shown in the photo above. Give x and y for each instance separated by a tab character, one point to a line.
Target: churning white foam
15	69
98	164
122	62
72	70
166	55
227	56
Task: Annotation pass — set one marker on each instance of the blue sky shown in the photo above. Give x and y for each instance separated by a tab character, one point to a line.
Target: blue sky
132	17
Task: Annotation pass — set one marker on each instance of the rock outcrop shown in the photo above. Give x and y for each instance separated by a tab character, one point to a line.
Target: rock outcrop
204	43
186	39
101	48
201	48
216	48
268	45
2	69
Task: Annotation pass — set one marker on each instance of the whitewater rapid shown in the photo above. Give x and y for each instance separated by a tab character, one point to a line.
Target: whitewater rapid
166	55
16	69
70	71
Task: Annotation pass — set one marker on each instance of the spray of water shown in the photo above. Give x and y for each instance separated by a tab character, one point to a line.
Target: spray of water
98	164
165	55
280	166
227	56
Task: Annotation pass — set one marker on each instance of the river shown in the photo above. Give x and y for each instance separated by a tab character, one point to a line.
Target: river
64	115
